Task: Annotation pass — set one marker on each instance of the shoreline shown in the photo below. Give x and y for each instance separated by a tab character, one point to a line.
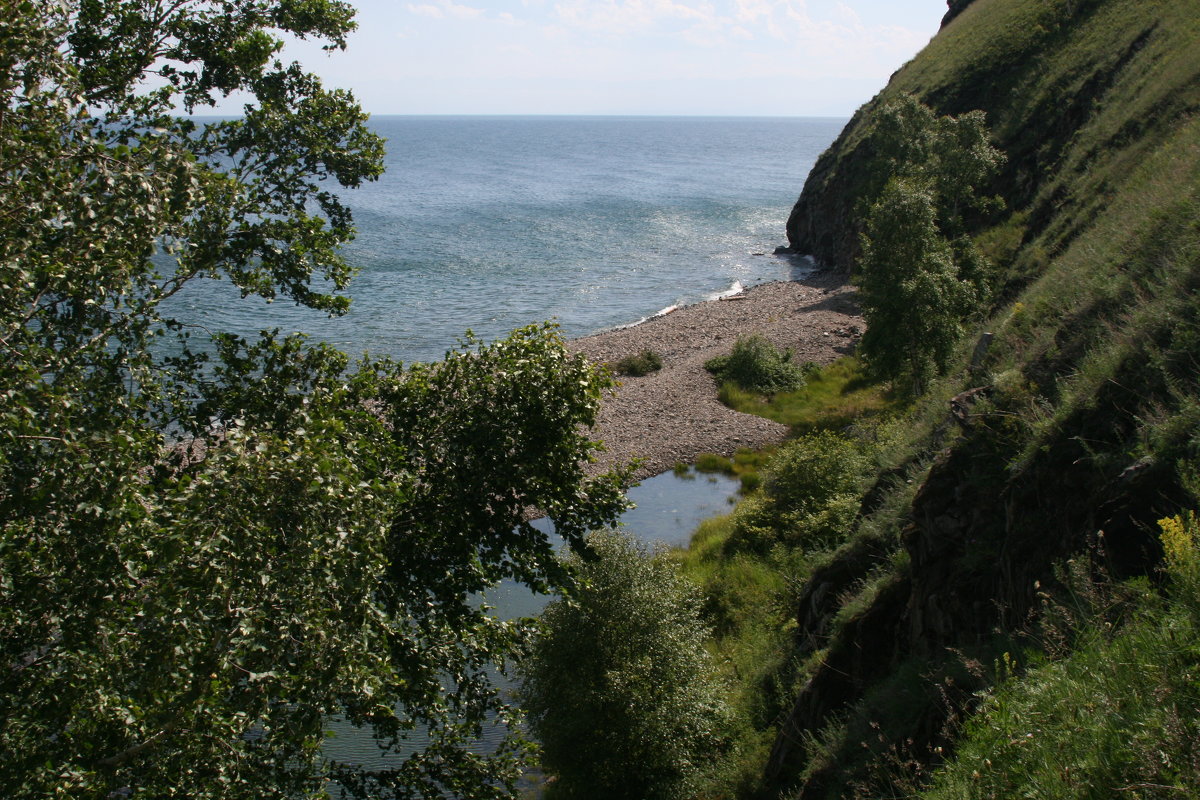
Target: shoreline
673	415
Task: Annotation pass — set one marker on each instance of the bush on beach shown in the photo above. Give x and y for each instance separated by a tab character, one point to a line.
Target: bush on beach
638	365
758	366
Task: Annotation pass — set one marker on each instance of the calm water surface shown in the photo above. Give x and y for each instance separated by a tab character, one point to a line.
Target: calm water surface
668	509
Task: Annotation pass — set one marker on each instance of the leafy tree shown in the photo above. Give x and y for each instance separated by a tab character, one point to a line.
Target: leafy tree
618	685
919	274
206	551
911	292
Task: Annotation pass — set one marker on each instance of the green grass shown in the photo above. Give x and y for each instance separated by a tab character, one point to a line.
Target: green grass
744	465
744	601
1117	717
835	396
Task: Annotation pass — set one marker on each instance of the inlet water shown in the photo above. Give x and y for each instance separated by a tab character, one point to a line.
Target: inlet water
667	510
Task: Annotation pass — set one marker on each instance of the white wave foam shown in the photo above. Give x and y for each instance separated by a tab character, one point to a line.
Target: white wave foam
655	315
734	289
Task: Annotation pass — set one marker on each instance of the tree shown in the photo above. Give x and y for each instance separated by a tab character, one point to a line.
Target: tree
618	686
909	285
920	277
207	550
811	494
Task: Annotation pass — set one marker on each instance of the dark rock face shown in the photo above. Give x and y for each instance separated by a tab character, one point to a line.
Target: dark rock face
867	651
823	223
982	541
955	8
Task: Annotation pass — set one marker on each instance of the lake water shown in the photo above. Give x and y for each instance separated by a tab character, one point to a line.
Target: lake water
492	223
667	510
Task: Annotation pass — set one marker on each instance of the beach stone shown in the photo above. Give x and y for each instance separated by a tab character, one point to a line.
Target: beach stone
673	414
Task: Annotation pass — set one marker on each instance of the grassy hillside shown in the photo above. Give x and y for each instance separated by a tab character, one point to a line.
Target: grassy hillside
1036	471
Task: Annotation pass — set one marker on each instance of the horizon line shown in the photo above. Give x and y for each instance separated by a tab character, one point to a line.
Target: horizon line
532	115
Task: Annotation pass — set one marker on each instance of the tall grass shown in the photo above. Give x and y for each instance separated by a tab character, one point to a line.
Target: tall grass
742	601
1118	717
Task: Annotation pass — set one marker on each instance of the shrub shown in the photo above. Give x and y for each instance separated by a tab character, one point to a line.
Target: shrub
712	462
756	365
643	363
815	470
809	496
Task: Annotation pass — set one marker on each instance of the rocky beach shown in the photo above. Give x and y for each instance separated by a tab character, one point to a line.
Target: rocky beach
673	415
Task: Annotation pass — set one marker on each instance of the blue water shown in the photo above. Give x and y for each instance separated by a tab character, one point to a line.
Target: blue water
491	223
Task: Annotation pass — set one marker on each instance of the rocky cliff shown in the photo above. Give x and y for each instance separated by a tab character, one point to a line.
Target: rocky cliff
1021	63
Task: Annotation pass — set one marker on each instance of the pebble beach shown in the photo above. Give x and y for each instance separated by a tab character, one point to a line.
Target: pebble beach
673	415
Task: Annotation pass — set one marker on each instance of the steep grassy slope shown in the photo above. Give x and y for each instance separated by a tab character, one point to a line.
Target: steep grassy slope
1086	407
1089	90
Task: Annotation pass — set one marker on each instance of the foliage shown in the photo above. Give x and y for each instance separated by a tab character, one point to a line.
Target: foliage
641	364
618	685
1180	536
712	462
920	278
758	366
952	154
833	396
809	496
744	465
181	616
748	600
912	295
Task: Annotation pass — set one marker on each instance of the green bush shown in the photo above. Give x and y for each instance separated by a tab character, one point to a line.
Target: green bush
756	365
712	462
643	363
809	496
814	470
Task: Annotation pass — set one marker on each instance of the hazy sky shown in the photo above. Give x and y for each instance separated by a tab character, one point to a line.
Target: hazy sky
718	57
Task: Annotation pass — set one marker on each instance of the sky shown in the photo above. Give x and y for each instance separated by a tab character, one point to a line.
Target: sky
624	57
